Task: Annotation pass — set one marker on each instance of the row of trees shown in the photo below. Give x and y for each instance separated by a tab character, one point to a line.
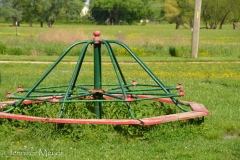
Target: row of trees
214	12
40	10
127	12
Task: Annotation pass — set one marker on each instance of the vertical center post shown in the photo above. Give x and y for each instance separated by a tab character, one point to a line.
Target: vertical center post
97	74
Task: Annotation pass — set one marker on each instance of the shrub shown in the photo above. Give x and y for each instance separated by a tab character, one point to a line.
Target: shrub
15	51
3	48
173	52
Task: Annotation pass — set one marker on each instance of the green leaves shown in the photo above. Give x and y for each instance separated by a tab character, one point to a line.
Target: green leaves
113	12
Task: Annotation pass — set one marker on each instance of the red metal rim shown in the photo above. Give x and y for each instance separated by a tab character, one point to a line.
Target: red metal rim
198	110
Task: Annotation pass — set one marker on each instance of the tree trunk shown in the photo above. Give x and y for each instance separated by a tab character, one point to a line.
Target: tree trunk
213	25
41	23
178	22
234	25
191	24
177	25
30	23
222	21
49	24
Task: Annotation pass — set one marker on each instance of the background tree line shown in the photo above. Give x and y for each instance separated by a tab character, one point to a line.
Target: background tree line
214	13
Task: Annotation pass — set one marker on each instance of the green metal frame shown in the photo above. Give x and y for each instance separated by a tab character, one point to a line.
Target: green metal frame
120	93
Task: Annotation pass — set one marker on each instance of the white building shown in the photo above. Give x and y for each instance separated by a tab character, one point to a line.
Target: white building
85	9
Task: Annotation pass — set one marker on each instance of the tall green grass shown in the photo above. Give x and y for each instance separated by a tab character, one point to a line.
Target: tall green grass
153	40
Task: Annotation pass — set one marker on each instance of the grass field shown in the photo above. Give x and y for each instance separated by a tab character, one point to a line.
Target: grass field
148	40
212	79
213	84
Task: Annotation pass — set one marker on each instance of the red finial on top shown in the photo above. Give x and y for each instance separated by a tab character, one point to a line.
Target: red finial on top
96	36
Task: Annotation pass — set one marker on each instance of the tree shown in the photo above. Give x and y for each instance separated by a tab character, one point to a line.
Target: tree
29	8
172	12
42	10
118	11
179	12
48	10
155	10
187	11
216	12
11	9
70	10
227	8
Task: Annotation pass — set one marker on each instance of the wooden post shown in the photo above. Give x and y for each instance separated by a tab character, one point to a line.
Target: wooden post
196	28
16	23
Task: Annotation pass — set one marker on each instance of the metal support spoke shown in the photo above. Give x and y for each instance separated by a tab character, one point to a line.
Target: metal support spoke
72	82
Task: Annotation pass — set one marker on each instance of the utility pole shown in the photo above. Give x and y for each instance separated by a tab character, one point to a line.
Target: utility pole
196	28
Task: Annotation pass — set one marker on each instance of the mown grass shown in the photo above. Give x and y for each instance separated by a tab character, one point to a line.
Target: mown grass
215	85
